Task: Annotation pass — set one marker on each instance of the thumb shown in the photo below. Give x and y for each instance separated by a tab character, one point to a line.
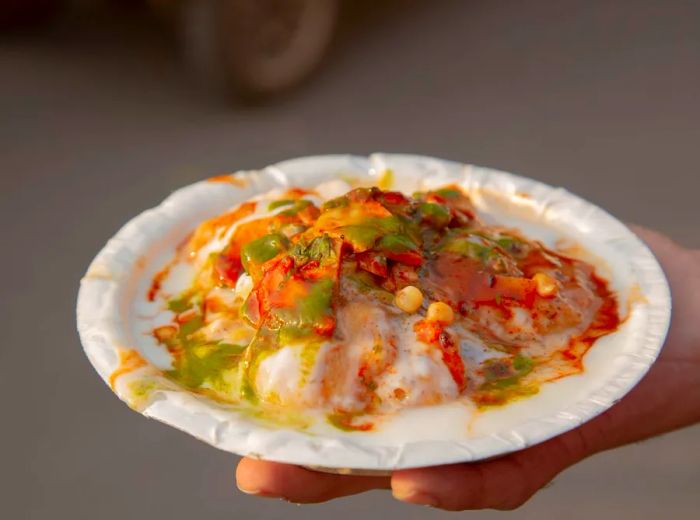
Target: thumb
503	483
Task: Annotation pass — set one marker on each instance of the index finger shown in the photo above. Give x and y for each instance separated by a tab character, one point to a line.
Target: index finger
300	485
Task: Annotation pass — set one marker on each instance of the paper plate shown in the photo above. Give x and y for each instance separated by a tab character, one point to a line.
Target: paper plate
113	321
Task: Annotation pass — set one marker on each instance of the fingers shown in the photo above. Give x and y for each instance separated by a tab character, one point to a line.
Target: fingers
504	483
296	484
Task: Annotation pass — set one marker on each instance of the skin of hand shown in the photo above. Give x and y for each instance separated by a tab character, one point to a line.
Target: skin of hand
667	398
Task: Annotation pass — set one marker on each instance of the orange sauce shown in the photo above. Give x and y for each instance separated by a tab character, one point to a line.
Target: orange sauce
157	282
129	360
230	178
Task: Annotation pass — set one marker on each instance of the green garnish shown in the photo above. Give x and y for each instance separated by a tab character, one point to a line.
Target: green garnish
510	244
279	203
435	214
448	193
181	304
502	373
197	363
190	327
338	202
467	246
344	422
298	206
317	304
361	237
319	249
396	243
263	249
308	359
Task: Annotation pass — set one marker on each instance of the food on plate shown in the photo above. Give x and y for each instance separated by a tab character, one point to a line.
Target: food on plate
361	302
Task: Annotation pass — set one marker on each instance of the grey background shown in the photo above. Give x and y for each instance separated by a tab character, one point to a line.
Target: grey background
99	121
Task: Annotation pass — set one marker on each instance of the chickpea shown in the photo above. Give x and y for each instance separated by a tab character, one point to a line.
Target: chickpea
546	285
409	299
441	312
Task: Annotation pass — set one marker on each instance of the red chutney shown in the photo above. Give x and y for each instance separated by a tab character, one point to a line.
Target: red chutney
606	320
460	280
308	263
156	283
433	332
202	235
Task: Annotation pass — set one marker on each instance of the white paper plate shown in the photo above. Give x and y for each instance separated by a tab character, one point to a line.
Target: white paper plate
113	318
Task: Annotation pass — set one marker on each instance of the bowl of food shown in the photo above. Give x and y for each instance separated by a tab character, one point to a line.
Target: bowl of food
366	314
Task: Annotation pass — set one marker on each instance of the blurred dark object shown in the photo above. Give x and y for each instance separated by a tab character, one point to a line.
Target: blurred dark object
20	14
256	48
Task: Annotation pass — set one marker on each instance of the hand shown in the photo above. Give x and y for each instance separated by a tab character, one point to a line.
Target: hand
666	399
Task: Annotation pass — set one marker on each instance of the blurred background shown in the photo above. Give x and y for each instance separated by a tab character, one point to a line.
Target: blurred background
106	107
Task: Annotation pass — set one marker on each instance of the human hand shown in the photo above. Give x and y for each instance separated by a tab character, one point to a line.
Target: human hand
667	398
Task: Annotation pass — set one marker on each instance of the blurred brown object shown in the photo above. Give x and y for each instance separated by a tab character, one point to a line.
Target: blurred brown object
256	48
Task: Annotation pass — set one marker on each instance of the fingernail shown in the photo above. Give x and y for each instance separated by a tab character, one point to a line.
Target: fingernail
249	491
414	497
